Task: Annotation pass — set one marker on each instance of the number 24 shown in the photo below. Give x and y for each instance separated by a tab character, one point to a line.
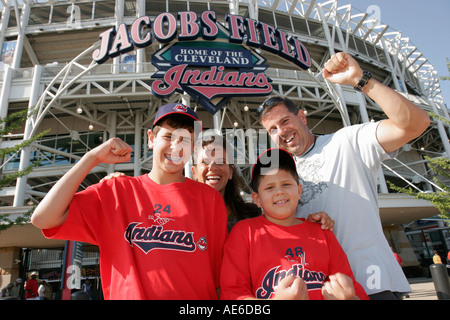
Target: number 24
158	208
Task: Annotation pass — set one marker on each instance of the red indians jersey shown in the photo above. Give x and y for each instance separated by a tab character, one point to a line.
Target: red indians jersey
155	241
259	253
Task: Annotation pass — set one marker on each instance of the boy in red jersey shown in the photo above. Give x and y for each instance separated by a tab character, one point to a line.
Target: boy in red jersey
158	238
278	256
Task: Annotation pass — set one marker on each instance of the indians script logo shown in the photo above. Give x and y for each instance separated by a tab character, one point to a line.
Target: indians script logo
313	279
208	59
156	237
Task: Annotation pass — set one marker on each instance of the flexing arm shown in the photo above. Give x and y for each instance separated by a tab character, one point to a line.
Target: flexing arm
405	120
53	209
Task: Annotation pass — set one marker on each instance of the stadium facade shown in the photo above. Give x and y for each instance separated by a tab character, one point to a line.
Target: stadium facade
54	62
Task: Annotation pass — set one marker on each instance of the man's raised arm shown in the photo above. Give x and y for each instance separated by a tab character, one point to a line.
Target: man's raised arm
405	120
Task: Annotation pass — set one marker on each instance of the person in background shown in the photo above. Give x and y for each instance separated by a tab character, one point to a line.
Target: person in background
7	291
31	287
436	258
45	291
397	257
17	289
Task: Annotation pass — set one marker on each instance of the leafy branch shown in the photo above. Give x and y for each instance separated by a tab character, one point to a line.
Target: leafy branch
8	124
441	167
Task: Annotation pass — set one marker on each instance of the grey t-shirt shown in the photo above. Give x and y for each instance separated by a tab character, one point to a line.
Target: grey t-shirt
339	176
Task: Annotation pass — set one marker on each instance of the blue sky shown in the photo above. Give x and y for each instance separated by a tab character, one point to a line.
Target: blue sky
426	23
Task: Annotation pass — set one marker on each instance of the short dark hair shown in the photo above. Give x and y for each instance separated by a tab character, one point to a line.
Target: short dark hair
274	158
274	101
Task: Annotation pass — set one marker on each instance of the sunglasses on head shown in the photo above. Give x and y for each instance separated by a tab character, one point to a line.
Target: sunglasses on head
271	102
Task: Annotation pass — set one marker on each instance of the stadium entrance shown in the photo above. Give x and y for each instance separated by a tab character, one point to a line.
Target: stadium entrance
49	264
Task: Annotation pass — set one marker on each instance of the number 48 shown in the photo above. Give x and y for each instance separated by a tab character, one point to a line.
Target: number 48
296	252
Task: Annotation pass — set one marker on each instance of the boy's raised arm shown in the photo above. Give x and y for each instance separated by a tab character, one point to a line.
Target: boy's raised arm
53	209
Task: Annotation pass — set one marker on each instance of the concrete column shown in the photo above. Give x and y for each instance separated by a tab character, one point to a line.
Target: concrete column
4	23
253	9
4	93
187	167
137	143
21	36
21	183
217	122
112	128
118	15
140	52
234	6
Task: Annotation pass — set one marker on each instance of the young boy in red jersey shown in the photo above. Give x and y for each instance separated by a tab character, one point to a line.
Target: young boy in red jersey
278	256
160	235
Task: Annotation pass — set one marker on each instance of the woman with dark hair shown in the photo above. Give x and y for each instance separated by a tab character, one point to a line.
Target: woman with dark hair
213	165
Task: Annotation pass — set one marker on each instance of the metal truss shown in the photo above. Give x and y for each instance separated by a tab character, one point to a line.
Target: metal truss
347	21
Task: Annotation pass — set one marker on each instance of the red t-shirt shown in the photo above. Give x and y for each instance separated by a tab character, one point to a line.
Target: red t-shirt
259	253
156	241
32	285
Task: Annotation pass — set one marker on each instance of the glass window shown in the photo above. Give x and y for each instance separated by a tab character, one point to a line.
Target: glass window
129	8
177	6
371	51
266	16
128	138
316	29
104	9
39	15
12	18
360	46
283	22
381	56
62	144
153	8
300	25
61	13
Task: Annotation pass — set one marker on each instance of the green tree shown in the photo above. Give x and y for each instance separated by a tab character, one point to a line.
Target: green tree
448	67
7	125
440	199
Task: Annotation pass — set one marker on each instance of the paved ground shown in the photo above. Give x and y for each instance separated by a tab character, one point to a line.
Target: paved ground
422	289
